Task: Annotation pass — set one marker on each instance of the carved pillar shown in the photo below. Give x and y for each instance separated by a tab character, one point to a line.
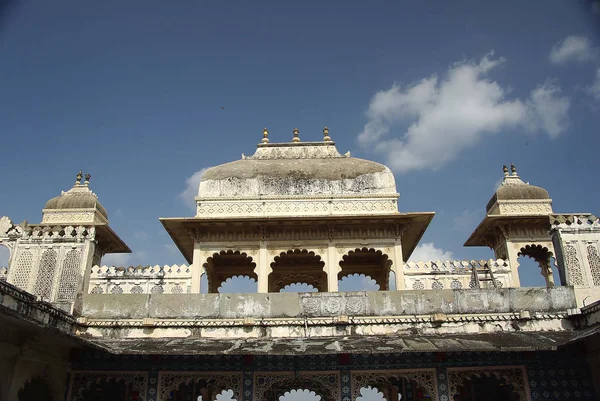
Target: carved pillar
262	268
398	265
332	268
513	263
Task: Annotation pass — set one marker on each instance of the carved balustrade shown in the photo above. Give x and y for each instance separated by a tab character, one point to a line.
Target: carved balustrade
175	279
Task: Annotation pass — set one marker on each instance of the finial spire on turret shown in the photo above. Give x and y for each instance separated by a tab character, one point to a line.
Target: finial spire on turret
87	178
505	170
513	169
326	136
265	135
79	177
296	138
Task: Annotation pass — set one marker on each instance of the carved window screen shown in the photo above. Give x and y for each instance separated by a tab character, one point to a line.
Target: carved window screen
43	284
573	266
23	270
594	261
69	277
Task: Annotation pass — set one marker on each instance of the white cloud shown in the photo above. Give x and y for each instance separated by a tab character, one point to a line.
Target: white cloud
447	115
551	110
191	188
124	259
428	251
572	48
468	219
595	88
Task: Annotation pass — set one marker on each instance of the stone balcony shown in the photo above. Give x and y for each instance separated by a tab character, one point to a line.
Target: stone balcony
354	322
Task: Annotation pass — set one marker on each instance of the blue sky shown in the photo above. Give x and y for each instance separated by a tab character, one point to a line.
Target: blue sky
443	92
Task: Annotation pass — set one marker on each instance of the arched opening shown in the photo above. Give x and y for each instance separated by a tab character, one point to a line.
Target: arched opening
298	287
200	390
297	266
300	395
486	388
226	264
37	389
535	267
370	394
357	282
4	261
368	262
238	284
108	390
394	388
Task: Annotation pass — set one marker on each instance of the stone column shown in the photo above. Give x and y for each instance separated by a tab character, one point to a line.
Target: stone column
196	268
332	268
398	265
513	262
262	268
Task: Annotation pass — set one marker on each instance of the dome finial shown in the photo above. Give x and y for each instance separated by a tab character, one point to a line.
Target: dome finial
326	136
505	170
265	135
513	169
79	177
87	178
296	138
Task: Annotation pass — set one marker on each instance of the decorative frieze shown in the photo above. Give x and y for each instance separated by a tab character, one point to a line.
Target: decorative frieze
137	382
295	207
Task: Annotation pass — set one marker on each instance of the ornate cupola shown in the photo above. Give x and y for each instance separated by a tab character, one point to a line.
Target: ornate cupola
517	223
514	197
79	205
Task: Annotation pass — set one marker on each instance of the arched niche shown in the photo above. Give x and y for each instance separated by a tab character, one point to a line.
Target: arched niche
98	385
201	390
299	287
297	266
213	386
535	255
357	282
36	389
226	264
509	381
369	262
271	386
395	385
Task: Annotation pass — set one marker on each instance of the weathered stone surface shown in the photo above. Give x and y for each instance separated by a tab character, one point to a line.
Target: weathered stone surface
282	305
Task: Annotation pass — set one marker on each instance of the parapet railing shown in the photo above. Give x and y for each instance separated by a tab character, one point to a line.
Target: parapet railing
3	274
455	274
175	279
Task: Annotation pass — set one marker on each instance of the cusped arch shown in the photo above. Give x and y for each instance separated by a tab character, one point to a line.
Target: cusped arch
36	388
297	266
271	386
389	382
542	255
225	264
136	382
210	385
370	262
514	376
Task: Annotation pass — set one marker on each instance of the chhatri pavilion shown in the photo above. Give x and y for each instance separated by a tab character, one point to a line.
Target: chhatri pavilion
301	213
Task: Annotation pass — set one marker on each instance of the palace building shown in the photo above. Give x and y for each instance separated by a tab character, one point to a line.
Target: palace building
301	212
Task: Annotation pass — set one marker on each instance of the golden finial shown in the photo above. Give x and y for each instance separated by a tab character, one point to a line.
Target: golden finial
326	136
265	135
79	177
296	138
513	169
505	170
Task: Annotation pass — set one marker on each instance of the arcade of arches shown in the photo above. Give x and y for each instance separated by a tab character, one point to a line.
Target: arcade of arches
298	267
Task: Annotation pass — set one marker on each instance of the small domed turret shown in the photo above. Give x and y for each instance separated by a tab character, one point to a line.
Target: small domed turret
517	197
79	205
